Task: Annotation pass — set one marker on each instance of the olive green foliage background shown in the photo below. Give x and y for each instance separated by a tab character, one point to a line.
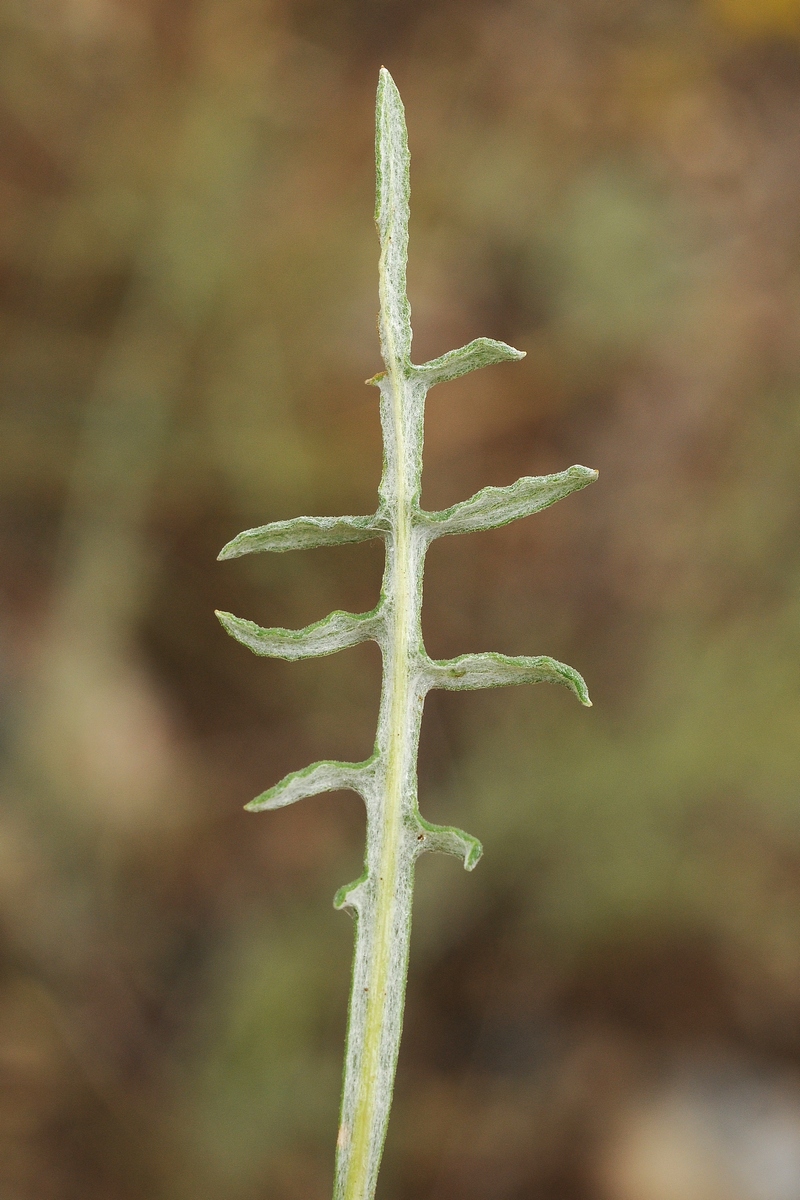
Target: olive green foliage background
189	270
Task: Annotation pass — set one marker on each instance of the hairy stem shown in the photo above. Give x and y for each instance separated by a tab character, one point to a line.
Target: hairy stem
382	938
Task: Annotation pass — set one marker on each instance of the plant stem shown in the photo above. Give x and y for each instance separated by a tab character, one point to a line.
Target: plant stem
384	920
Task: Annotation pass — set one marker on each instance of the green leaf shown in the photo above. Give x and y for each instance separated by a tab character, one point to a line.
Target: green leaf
305	533
492	507
325	776
335	632
483	352
446	839
472	671
391	217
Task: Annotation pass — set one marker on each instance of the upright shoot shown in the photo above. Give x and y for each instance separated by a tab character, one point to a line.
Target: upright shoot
397	833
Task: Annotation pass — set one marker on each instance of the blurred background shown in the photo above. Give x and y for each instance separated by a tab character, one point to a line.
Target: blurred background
609	1008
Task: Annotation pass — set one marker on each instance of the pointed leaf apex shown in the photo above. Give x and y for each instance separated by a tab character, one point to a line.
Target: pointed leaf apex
385	80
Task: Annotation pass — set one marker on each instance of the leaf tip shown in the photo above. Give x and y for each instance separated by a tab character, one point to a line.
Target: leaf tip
385	78
473	856
575	682
387	90
503	351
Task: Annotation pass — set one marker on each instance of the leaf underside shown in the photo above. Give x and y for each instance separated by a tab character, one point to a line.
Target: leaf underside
304	533
483	352
335	632
495	506
326	776
472	671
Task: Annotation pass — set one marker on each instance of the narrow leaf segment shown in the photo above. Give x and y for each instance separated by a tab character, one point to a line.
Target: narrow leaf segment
397	834
305	533
335	632
483	352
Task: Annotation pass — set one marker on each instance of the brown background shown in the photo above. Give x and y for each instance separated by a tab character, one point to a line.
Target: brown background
609	1008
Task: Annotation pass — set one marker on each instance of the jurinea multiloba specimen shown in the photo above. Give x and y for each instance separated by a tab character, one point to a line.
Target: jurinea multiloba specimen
387	781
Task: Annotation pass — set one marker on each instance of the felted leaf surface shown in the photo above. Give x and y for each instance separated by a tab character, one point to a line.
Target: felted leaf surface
492	507
483	352
304	533
325	776
335	632
447	839
471	671
391	217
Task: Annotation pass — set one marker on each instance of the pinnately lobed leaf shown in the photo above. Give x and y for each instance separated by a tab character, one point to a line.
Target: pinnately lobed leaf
380	899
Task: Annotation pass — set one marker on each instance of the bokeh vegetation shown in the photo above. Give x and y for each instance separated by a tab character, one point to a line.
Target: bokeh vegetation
188	267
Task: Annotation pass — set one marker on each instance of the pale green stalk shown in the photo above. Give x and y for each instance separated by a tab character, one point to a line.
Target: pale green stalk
396	832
